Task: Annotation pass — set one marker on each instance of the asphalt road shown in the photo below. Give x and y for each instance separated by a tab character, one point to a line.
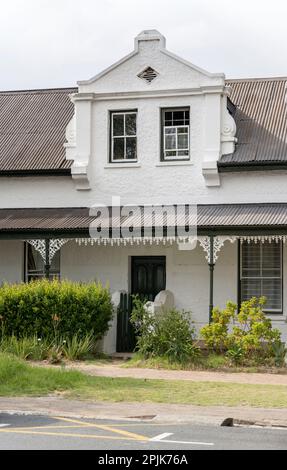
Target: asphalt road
41	432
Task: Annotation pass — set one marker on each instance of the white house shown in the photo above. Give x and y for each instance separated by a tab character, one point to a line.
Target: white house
151	130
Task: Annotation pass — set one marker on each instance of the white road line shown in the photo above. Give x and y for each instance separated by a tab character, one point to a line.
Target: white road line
161	438
4	425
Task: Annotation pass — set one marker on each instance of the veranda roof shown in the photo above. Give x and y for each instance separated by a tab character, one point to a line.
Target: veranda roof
75	222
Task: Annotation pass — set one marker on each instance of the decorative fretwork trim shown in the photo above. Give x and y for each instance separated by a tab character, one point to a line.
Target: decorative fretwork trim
133	241
54	245
218	243
39	246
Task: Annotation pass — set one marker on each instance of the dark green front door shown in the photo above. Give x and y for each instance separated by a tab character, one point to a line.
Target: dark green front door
148	276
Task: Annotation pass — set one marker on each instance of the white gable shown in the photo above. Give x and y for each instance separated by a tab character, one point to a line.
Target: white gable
172	72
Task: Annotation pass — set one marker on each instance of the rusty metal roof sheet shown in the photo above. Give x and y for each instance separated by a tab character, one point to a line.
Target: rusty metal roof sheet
32	129
209	217
261	120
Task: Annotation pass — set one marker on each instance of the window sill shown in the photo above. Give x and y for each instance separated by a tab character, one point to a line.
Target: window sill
175	163
123	165
276	316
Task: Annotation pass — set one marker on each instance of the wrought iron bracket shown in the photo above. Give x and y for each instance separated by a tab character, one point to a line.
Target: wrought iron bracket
54	245
218	242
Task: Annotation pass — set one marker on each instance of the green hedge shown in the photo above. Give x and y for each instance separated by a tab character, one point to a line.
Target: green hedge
46	308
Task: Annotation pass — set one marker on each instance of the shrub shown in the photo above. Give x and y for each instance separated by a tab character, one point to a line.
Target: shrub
279	352
55	309
248	334
164	334
216	334
78	348
25	347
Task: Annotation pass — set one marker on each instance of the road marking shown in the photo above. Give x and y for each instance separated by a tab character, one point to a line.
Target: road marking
161	438
63	426
130	435
65	434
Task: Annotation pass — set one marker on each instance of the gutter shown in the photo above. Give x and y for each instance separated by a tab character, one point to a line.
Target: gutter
262	166
26	173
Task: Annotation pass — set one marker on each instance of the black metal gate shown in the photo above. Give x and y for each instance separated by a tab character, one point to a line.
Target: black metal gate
126	340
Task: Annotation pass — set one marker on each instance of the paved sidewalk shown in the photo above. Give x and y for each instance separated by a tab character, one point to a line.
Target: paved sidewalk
156	412
113	370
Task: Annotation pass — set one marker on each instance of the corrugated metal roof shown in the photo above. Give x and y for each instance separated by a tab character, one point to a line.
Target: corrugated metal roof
208	217
32	129
33	124
261	119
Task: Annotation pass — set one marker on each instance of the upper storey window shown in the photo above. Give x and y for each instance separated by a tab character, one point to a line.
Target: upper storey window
123	136
175	131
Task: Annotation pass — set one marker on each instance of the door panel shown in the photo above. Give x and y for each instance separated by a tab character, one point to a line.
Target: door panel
148	275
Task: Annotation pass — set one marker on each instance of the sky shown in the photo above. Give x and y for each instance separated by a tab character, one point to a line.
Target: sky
55	43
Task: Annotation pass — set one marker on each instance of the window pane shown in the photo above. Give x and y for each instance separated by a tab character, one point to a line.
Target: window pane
55	264
35	260
251	259
182	130
182	141
250	288
271	289
168	118
261	273
131	128
118	124
170	153
36	265
271	259
183	153
119	149
131	148
170	141
178	118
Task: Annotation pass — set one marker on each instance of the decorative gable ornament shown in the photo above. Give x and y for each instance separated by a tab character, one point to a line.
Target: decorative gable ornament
148	74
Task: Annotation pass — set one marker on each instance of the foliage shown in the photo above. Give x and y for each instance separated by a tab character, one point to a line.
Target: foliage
235	354
25	347
37	349
280	352
167	333
248	334
216	335
54	309
79	347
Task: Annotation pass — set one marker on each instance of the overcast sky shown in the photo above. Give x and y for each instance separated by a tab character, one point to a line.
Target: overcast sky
54	43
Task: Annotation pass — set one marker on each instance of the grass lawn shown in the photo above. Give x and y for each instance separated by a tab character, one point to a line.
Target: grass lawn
17	378
211	362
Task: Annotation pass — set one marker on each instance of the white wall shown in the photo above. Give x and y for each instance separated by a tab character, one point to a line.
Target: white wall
11	261
187	272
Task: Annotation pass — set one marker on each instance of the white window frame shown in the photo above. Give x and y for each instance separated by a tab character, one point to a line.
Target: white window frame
177	149
164	149
112	137
261	277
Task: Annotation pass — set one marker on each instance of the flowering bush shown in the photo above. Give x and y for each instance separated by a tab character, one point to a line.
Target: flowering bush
244	335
